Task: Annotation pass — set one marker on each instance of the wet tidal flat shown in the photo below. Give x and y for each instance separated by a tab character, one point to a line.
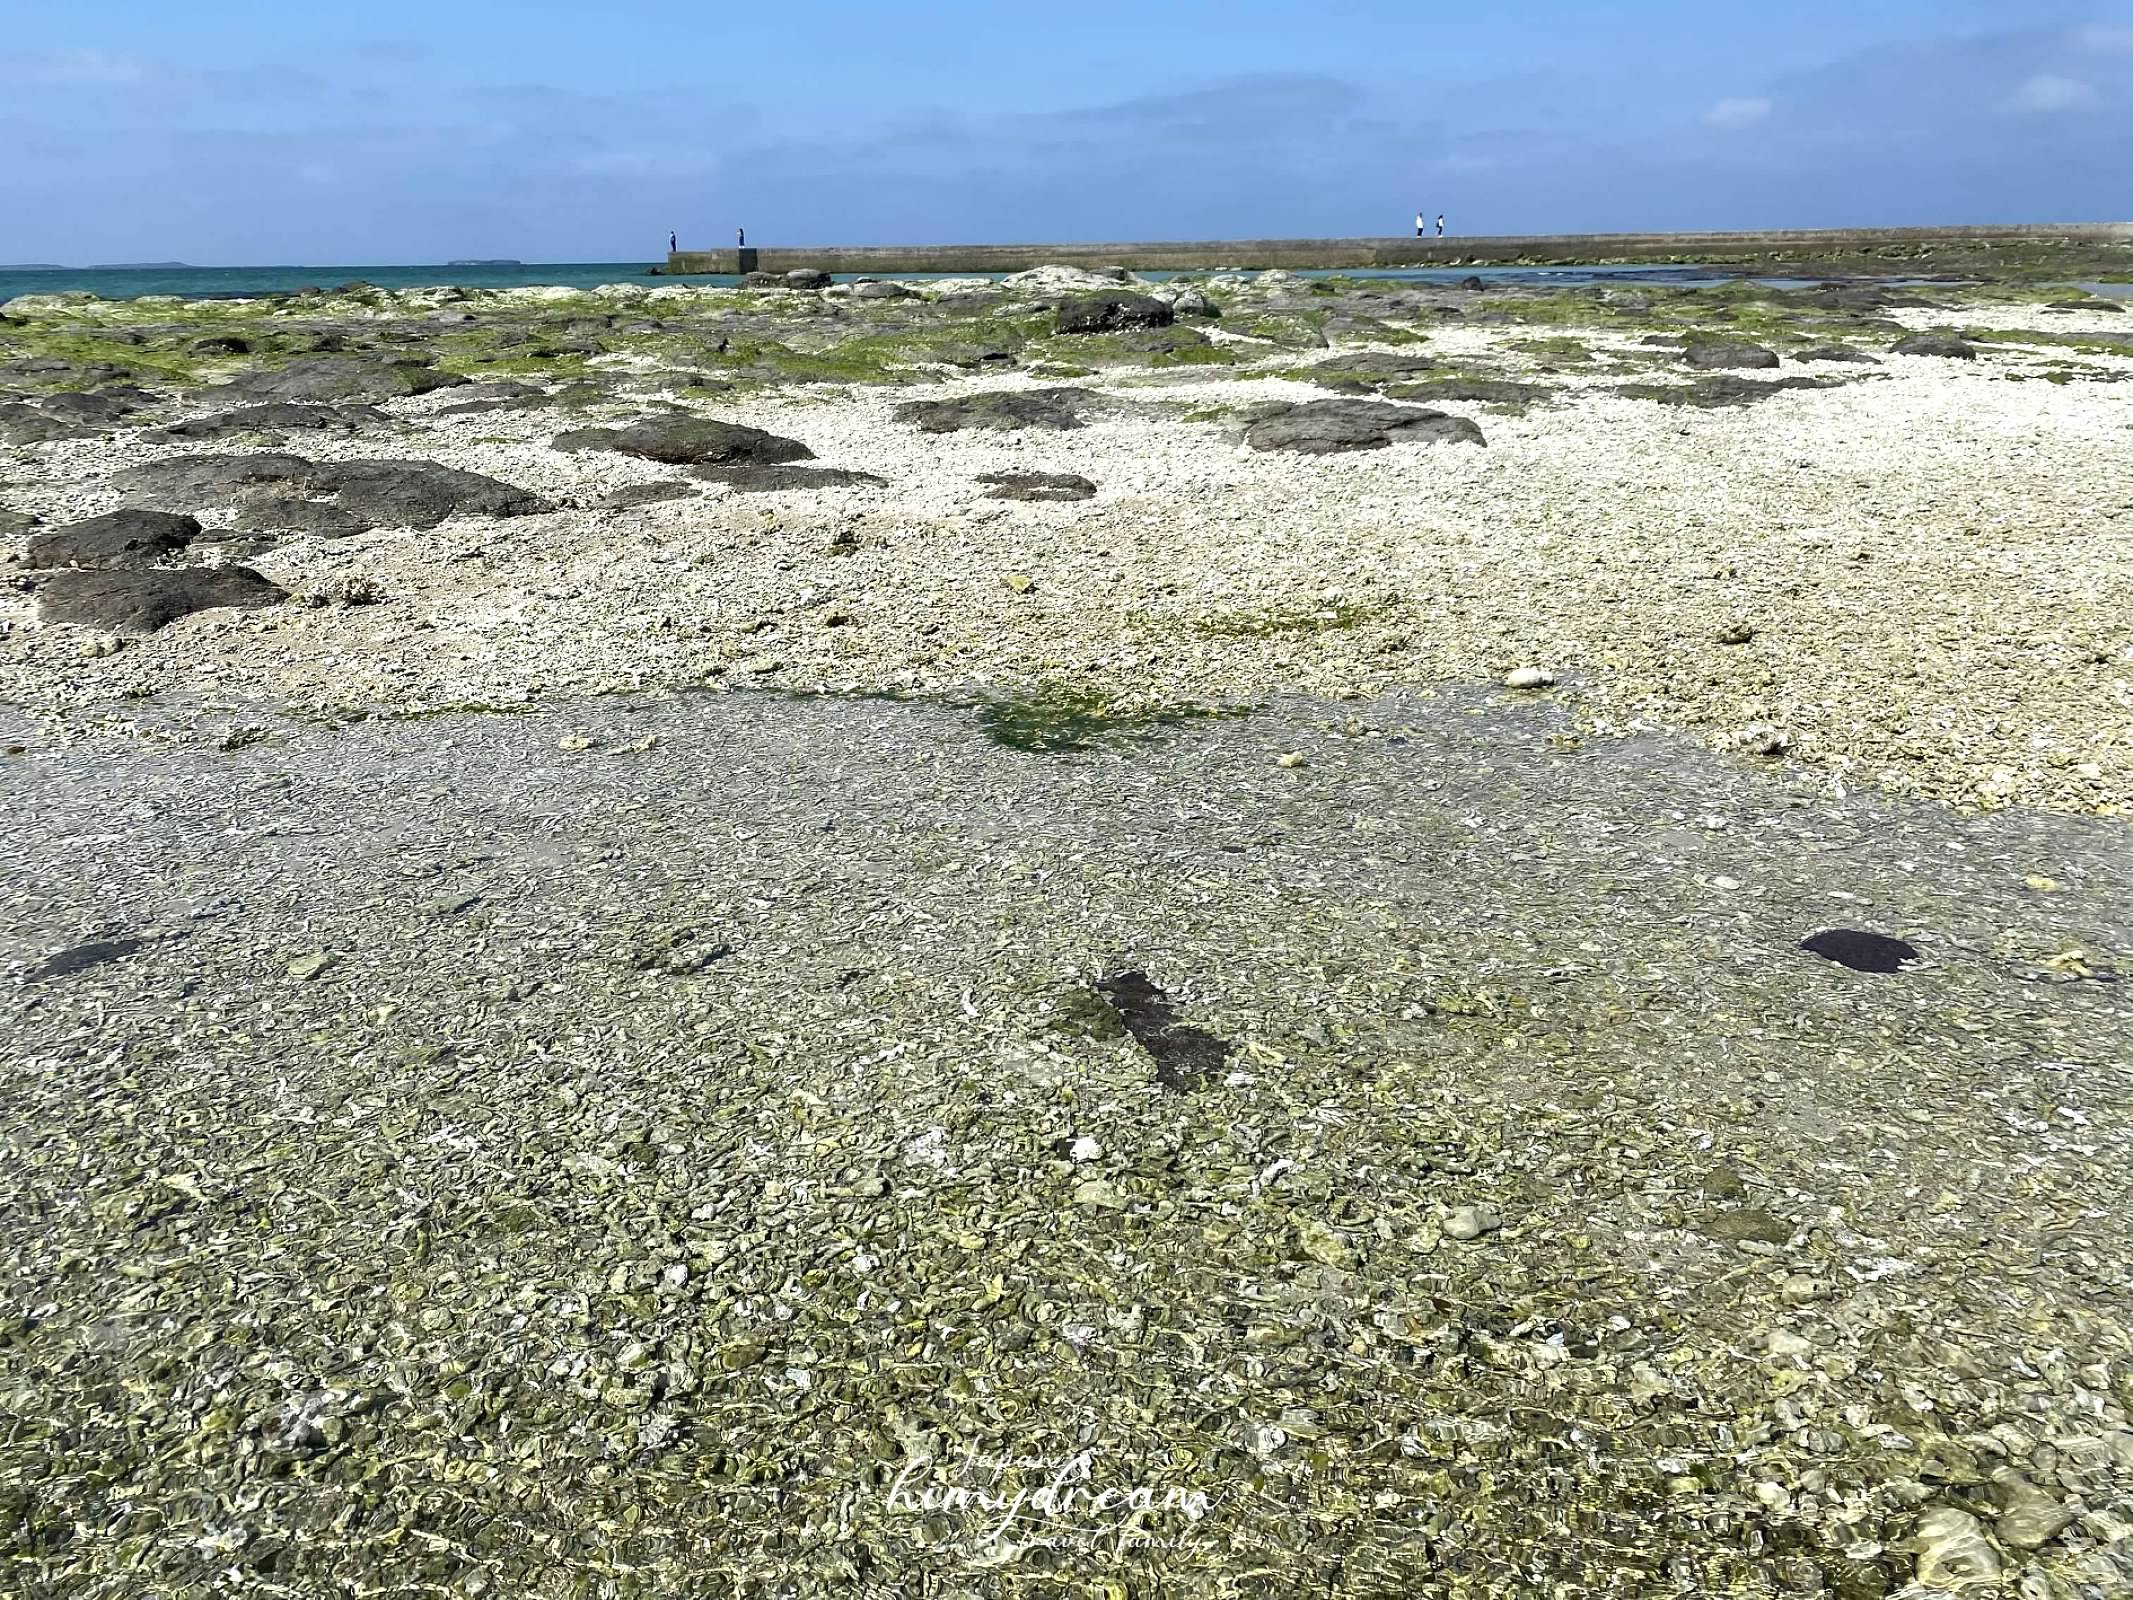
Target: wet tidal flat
662	1145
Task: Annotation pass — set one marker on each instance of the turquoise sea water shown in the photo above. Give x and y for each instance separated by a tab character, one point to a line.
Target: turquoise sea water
223	282
200	282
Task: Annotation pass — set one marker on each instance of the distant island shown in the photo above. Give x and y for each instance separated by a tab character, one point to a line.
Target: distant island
485	263
101	266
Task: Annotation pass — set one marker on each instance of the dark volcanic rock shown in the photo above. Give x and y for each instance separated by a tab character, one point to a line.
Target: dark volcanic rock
1322	427
497	395
2093	303
58	366
274	513
688	441
417	494
1714	357
1004	410
506	389
1037	486
377	494
280	416
474	408
1160	341
1863	298
128	538
1107	313
1372	366
127	601
315	342
27	424
644	494
1722	390
1837	352
973	356
74	414
320	381
97	405
763	478
220	344
1859	950
1948	346
1472	391
807	278
677	382
205	480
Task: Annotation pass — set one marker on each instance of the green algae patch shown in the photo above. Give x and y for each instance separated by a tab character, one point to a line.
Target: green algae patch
1142	347
1272	622
1302	331
1064	719
568	364
2094	344
85	348
1554	348
1564	310
1053	717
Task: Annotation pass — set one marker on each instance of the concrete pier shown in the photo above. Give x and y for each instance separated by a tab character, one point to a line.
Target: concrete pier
1535	250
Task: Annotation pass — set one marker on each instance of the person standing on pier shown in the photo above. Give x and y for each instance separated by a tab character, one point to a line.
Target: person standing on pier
740	238
1440	224
673	243
1420	228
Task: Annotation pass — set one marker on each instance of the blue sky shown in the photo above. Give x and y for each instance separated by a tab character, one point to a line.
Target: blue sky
254	131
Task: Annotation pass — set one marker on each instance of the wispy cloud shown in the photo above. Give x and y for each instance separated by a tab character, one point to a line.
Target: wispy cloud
96	67
2107	41
1260	106
1742	113
2047	92
664	163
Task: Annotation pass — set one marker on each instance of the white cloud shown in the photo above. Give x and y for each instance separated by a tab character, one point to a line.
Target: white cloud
2107	41
2047	91
1738	113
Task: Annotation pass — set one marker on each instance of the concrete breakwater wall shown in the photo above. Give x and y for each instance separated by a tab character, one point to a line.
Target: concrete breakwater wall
1536	250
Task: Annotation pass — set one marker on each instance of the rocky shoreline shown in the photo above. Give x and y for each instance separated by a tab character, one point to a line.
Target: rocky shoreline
1480	930
1823	514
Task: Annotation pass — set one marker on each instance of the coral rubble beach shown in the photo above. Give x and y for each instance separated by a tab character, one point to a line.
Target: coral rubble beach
641	918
